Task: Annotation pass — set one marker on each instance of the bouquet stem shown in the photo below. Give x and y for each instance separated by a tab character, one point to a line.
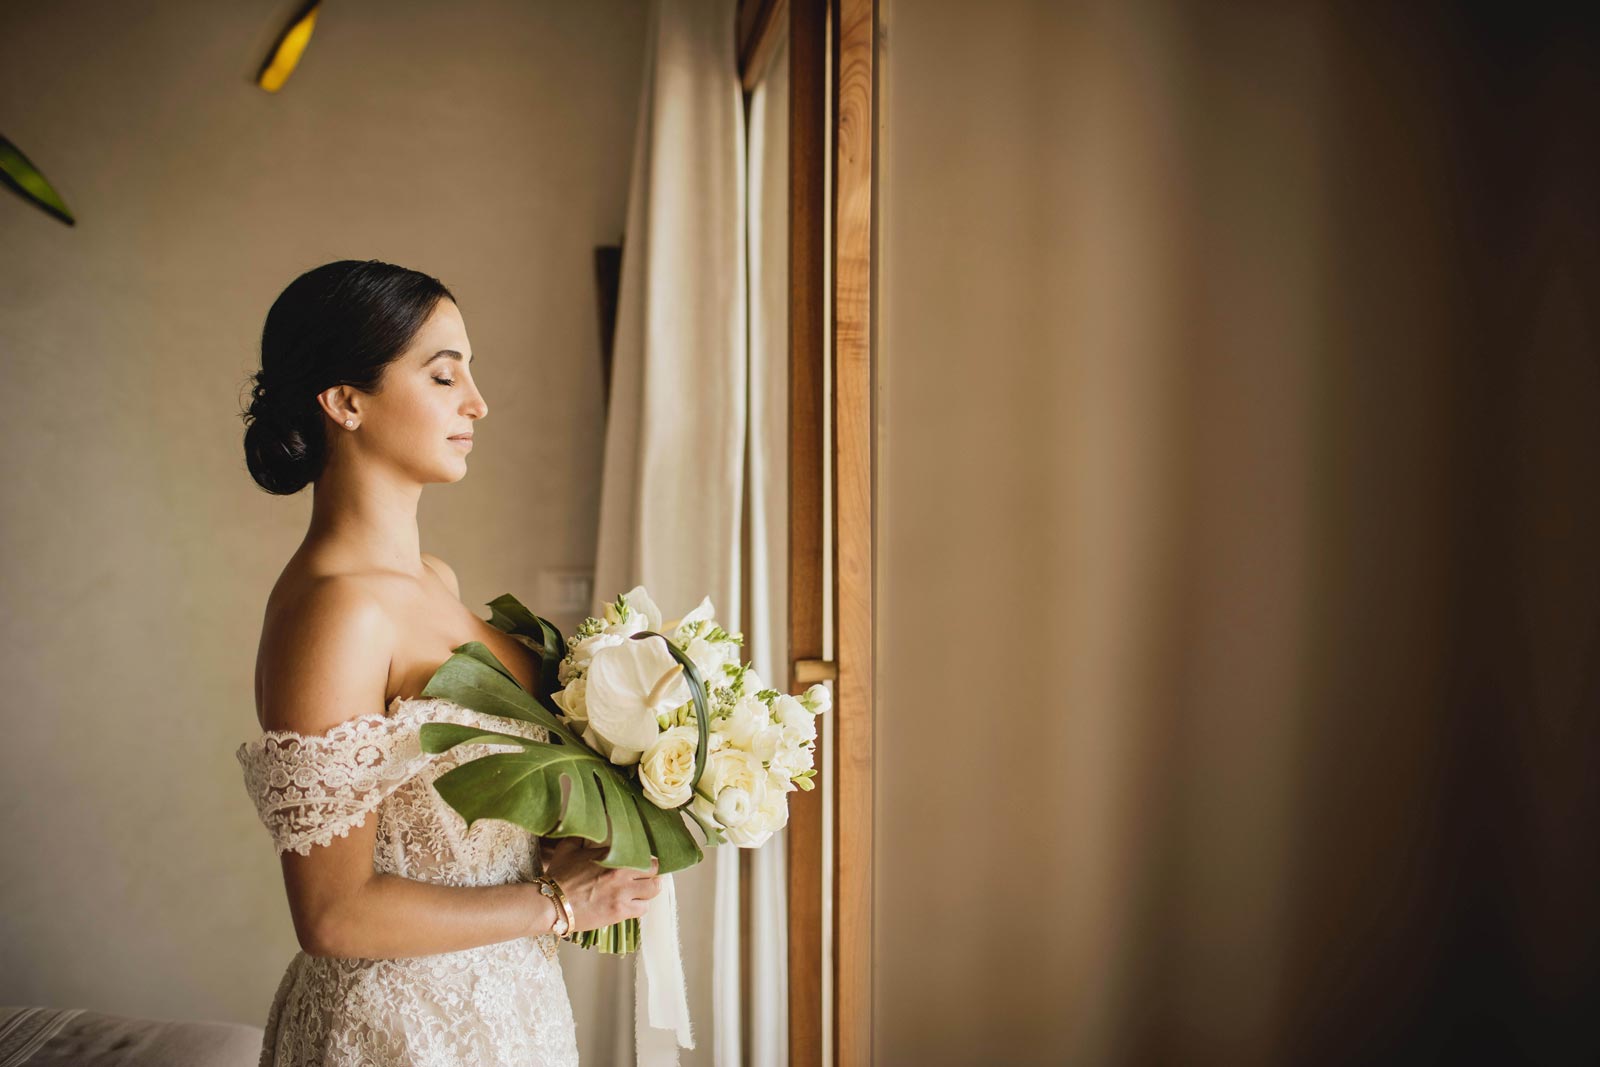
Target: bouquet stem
618	939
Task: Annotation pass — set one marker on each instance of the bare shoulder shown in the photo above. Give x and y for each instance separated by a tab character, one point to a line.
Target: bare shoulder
326	648
445	573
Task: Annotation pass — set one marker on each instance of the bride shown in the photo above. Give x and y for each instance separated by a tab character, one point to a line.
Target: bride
422	942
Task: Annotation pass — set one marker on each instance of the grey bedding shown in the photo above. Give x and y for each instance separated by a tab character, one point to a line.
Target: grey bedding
76	1037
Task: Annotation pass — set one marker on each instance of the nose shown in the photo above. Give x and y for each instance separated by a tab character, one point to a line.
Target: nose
477	407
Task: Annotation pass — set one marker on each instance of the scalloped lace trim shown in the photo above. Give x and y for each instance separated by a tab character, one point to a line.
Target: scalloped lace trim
310	788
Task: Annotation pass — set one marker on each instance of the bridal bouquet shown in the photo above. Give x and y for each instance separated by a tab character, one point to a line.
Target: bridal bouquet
648	723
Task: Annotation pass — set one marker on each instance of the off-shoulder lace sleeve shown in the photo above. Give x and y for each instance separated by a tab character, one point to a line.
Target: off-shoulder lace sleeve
309	788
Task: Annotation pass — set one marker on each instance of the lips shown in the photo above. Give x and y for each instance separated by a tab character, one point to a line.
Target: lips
461	437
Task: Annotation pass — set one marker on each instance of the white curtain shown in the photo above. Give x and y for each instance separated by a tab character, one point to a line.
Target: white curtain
671	499
767	631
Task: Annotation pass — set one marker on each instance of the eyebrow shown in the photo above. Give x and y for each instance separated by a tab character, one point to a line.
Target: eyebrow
452	353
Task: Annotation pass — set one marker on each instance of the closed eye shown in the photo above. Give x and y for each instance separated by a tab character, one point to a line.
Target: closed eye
444	381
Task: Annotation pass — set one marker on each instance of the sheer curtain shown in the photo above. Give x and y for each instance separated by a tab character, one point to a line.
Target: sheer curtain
671	498
766	632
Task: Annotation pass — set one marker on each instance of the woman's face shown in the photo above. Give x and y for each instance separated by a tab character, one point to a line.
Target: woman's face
428	400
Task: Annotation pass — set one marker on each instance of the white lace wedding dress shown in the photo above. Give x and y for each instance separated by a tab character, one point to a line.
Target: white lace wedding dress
503	1003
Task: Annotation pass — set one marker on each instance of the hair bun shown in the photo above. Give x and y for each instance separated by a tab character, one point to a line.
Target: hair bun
277	446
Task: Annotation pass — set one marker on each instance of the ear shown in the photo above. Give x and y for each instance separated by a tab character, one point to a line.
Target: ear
340	402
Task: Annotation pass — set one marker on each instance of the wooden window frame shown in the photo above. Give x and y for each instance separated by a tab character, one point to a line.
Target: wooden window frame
846	79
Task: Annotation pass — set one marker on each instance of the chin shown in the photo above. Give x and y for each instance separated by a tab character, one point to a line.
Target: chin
448	472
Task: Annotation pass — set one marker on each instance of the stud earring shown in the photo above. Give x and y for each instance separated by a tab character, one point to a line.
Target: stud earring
349	422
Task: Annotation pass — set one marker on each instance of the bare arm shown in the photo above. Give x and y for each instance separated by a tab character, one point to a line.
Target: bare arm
332	665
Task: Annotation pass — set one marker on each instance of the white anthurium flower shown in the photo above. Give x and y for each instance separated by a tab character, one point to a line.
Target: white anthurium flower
639	601
703	612
636	622
622	757
667	767
573	701
629	684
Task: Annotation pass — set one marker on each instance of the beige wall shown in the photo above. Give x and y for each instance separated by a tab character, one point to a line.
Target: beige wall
484	142
1238	595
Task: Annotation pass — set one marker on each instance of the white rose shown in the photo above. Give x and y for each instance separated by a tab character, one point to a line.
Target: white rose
733	807
770	816
817	698
729	768
571	700
584	650
667	767
764	745
629	684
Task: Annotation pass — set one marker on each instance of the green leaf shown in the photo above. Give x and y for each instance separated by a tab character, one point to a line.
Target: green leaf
713	835
475	678
18	172
443	736
630	846
670	840
507	614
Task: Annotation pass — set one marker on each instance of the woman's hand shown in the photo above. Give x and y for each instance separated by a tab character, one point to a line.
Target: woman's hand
600	896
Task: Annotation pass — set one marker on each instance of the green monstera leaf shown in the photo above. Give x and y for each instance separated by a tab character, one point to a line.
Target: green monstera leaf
559	788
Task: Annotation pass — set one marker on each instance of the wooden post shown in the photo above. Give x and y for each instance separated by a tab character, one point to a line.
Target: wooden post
854	89
807	306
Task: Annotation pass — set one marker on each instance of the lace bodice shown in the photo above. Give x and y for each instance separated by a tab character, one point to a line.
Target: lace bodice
498	1003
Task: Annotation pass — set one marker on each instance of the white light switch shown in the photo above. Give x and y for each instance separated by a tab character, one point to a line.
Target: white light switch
565	592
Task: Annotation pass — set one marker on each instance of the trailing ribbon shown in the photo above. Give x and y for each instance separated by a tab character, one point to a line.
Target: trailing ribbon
661	999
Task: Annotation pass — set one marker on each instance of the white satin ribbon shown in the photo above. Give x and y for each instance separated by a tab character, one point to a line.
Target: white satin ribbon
661	998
